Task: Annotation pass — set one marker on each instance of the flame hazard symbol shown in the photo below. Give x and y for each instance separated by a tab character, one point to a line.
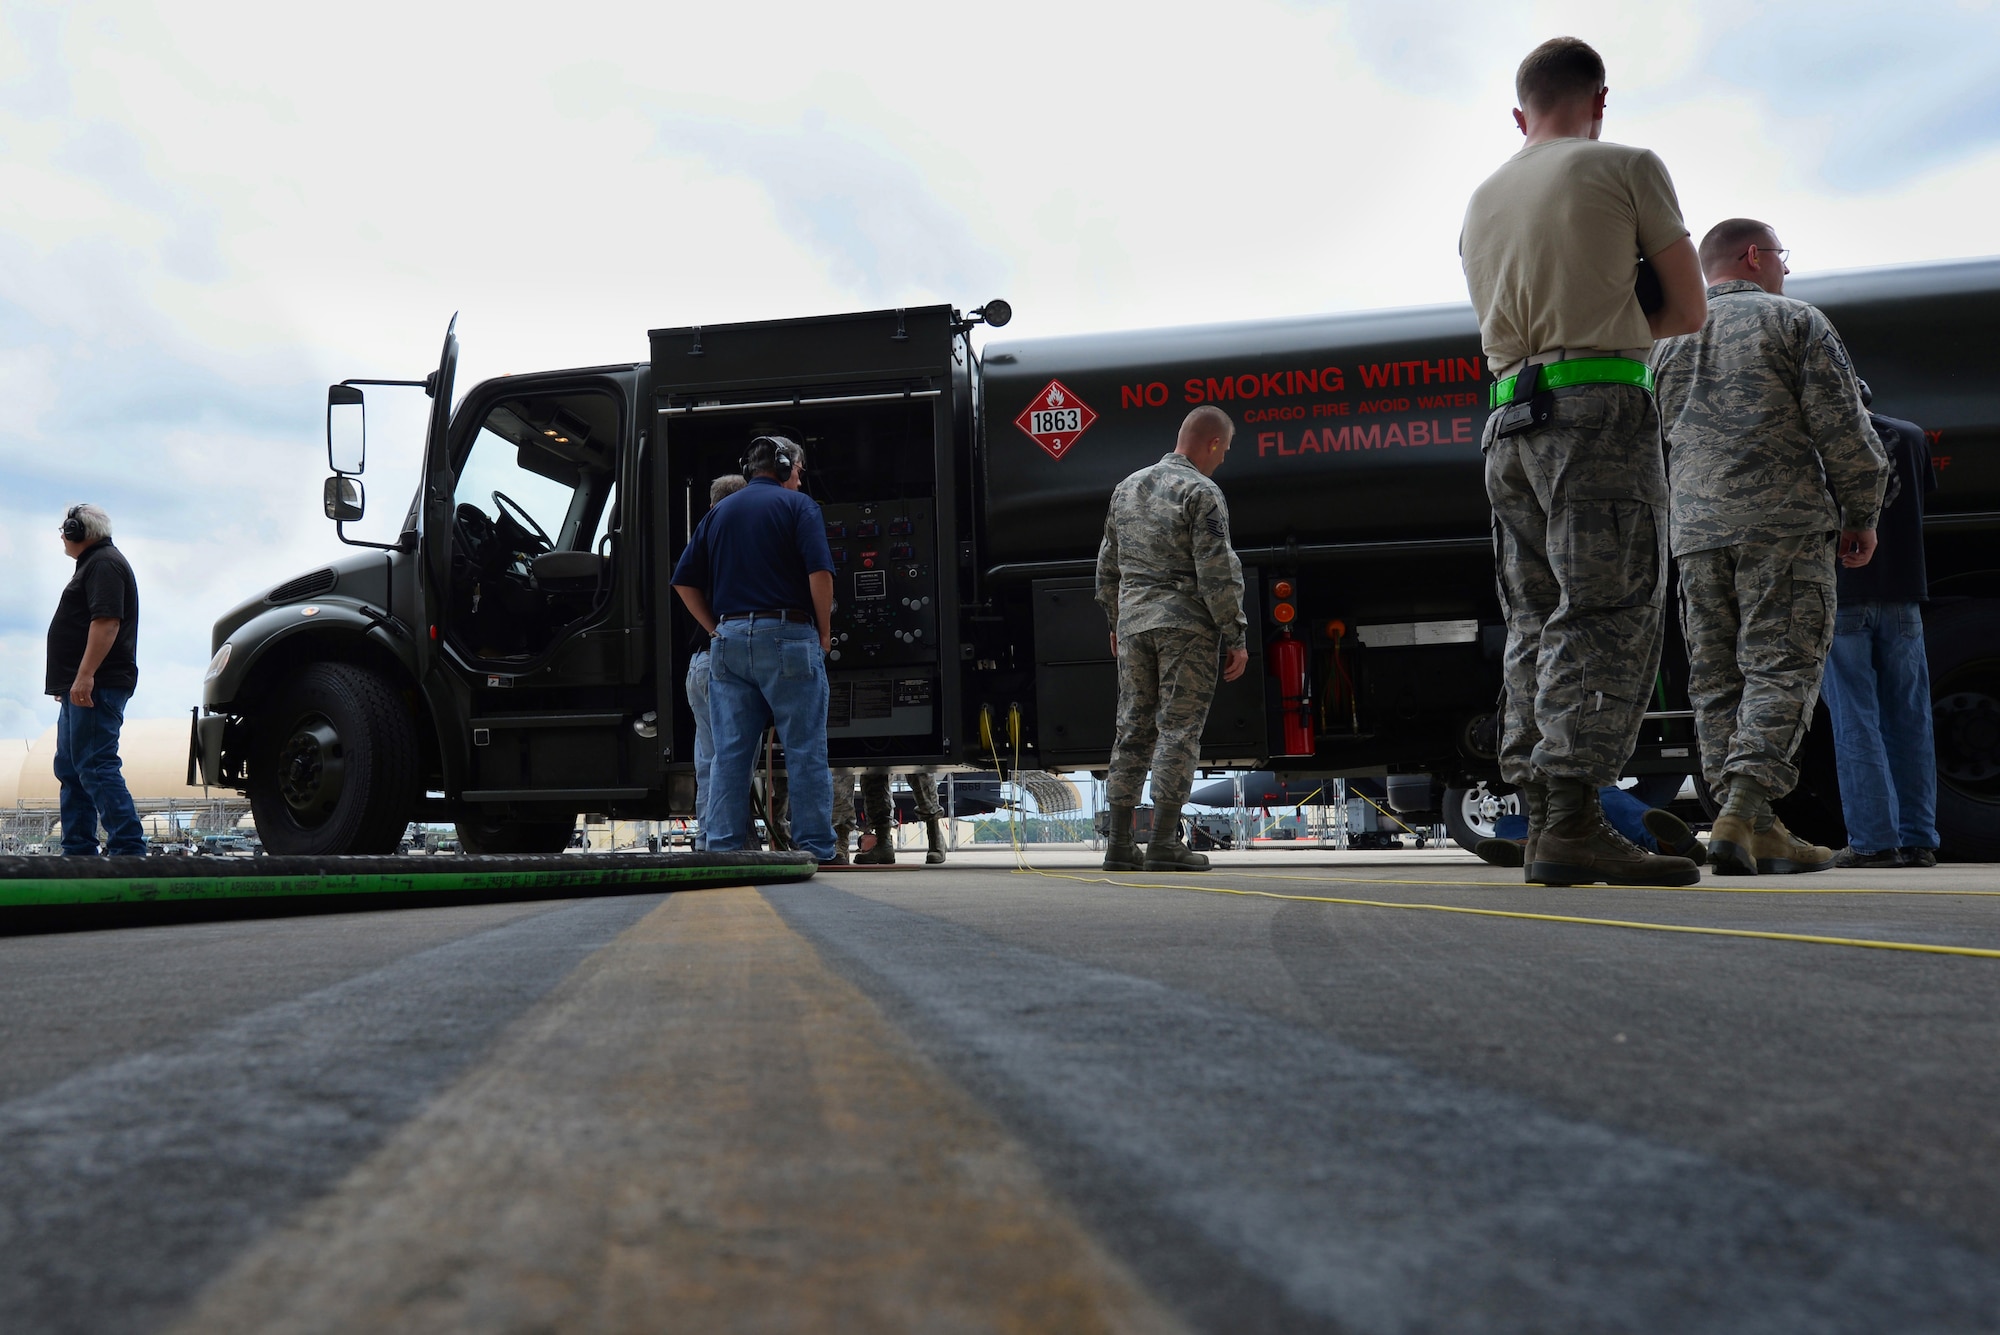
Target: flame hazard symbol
1054	419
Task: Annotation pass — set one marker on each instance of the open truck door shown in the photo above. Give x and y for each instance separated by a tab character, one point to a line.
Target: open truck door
537	598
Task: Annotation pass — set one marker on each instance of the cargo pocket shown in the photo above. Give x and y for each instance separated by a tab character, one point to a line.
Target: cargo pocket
1612	554
1813	609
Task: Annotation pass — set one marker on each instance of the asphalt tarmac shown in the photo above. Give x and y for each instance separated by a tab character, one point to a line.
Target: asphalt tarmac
1383	1092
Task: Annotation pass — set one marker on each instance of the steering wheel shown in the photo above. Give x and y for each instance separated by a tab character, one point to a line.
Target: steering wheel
473	530
511	508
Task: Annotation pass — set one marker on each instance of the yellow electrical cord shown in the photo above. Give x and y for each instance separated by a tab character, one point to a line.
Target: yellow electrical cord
1918	947
1716	888
993	750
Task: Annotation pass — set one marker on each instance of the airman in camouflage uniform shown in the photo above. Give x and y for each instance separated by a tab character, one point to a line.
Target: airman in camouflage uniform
881	815
1771	456
1552	247
1172	590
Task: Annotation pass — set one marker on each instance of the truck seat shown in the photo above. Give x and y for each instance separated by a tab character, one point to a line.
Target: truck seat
569	572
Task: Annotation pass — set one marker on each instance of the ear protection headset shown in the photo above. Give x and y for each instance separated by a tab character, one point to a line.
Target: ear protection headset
72	525
783	460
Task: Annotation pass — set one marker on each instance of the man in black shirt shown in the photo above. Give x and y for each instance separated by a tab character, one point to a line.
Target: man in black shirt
93	668
1877	685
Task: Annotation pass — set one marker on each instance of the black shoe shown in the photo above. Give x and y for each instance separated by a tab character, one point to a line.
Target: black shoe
1501	852
1888	857
1123	857
1673	836
1919	857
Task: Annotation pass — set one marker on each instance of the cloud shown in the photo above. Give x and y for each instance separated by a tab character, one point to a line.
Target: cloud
209	212
851	199
1870	97
208	483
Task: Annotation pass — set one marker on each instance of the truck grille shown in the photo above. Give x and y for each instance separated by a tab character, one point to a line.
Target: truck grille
305	586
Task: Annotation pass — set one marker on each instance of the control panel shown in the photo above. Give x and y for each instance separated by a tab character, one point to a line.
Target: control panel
884	584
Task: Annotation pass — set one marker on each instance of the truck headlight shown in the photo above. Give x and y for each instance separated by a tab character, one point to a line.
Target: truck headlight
216	664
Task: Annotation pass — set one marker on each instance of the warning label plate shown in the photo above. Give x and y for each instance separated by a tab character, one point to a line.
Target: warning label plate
1055	418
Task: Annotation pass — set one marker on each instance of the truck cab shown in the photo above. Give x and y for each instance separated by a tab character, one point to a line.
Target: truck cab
517	656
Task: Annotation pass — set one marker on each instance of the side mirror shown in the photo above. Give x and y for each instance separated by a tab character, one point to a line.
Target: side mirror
345	499
346	431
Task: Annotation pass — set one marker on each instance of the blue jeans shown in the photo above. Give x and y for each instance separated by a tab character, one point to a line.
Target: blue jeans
760	672
704	743
93	778
1878	689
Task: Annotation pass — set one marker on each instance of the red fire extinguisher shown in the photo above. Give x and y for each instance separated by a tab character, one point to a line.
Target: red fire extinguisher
1288	664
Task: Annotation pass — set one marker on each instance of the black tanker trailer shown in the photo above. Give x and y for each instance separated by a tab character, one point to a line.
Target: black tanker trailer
516	657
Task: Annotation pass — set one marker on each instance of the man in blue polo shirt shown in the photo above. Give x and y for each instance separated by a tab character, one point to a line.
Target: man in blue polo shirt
758	576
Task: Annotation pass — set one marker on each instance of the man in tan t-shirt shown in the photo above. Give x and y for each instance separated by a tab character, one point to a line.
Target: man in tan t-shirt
1574	467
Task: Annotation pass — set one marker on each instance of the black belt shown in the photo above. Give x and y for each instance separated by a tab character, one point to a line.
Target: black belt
778	614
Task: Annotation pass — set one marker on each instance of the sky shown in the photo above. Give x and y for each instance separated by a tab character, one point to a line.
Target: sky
208	212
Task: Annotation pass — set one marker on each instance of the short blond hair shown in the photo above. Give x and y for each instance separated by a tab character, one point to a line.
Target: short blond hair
1207	422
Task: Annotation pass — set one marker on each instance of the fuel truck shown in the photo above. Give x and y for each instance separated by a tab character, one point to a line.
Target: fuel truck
516	656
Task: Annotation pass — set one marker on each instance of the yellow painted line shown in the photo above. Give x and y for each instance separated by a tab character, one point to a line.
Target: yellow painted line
1806	938
702	1128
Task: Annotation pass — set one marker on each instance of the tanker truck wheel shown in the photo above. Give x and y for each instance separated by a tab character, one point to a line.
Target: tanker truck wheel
333	765
493	834
1962	641
1469	813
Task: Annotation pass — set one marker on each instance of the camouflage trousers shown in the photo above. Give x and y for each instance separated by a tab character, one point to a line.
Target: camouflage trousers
875	796
1166	681
1580	551
1759	624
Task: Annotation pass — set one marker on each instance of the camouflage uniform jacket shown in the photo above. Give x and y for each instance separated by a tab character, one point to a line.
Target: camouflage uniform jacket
1766	435
1166	562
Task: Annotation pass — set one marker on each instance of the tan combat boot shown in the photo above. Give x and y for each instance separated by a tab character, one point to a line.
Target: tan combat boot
1167	852
884	852
1779	852
1744	801
933	840
841	834
1577	846
1120	853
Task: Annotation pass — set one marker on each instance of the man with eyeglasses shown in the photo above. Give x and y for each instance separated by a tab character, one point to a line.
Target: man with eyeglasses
1775	475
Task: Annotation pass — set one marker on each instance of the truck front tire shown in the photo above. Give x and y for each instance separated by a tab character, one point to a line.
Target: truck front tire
333	765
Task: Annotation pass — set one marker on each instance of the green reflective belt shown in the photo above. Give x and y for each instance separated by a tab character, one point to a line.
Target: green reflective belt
1582	371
